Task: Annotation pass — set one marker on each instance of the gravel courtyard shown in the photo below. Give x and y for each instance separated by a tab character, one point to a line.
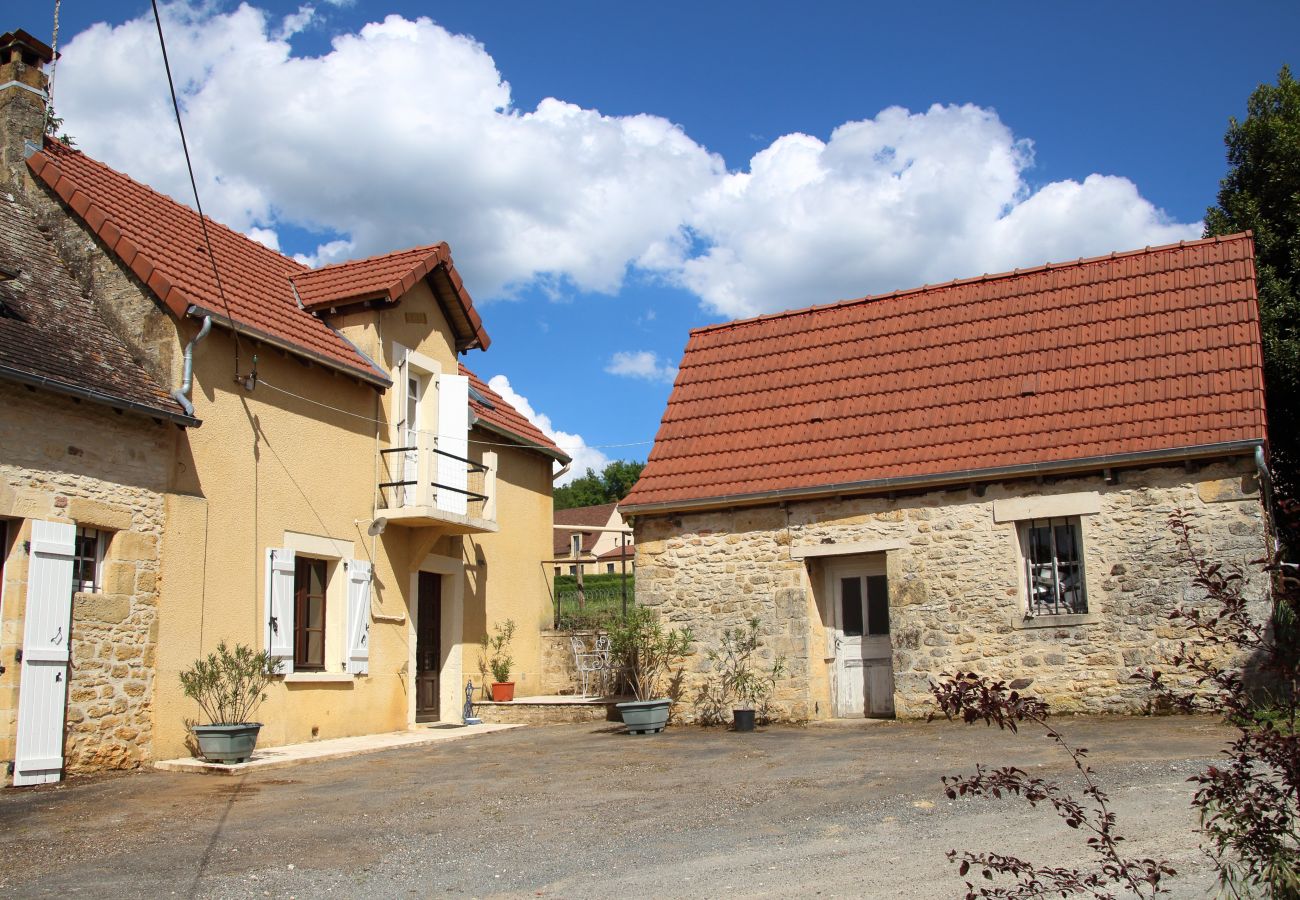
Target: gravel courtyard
839	810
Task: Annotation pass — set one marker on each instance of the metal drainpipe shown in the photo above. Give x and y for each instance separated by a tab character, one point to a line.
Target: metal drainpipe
182	394
1265	477
560	474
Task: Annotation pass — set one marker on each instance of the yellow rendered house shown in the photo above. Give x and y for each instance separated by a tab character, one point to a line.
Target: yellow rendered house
337	487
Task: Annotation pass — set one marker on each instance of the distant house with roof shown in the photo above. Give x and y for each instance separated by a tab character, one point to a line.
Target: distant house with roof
342	491
589	537
969	476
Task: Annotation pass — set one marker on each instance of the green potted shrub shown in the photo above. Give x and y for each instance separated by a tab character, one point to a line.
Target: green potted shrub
740	676
495	658
228	686
647	653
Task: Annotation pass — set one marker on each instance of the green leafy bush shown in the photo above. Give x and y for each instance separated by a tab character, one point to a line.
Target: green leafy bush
647	651
495	656
229	685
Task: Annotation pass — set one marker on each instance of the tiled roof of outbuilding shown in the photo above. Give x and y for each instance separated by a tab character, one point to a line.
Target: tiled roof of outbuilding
161	242
1152	351
503	418
53	337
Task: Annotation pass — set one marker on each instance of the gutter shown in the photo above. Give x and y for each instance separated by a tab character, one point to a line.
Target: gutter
61	387
880	485
377	379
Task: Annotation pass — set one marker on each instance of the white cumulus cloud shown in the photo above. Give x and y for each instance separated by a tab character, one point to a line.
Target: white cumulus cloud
584	457
643	364
401	134
404	133
894	202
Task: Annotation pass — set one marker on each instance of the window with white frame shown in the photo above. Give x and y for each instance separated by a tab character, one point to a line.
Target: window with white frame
1053	554
88	560
575	542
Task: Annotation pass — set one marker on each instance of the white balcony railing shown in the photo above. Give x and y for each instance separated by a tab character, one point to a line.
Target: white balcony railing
424	485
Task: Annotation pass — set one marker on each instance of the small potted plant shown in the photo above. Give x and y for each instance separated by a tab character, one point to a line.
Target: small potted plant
228	686
496	659
739	674
647	653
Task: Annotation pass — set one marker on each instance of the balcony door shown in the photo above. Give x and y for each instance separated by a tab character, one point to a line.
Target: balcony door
416	384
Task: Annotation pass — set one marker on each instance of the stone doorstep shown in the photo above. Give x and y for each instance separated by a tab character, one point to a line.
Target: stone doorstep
333	748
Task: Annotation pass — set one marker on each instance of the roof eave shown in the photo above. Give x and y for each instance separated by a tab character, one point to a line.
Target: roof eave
524	443
103	399
879	485
375	377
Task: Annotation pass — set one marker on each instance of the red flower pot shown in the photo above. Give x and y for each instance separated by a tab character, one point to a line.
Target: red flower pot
503	691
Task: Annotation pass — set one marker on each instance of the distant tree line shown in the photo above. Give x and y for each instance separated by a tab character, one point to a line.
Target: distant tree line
610	485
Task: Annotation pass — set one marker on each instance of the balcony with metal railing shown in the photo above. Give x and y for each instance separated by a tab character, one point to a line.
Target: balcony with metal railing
424	486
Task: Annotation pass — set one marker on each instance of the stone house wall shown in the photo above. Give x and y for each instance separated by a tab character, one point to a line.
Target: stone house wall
85	464
956	594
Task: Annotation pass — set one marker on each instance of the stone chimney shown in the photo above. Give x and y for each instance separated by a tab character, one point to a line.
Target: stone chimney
23	95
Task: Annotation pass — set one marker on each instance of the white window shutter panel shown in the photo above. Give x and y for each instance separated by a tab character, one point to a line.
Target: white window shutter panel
47	625
279	608
453	438
358	662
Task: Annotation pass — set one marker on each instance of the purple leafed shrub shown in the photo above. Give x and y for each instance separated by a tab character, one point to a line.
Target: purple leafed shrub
1245	668
974	698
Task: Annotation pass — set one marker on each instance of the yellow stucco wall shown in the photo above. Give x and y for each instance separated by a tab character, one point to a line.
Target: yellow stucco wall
294	462
513	583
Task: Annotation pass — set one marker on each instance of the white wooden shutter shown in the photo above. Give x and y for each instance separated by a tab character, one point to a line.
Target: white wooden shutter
358	662
453	438
43	688
279	608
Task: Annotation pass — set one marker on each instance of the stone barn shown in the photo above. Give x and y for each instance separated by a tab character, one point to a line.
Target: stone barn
969	476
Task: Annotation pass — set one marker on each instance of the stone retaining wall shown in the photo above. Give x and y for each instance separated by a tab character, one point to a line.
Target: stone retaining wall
955	582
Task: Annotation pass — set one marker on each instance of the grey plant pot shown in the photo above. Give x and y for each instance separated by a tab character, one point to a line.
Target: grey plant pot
227	743
645	716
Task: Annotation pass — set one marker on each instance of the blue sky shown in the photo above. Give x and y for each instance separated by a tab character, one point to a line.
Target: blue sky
610	175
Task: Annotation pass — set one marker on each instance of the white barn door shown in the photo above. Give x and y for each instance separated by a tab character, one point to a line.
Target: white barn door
43	688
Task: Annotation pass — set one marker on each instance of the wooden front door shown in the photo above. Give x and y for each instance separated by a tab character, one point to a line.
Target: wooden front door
428	647
864	671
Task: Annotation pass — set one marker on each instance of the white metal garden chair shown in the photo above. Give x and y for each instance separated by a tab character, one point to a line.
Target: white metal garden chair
592	665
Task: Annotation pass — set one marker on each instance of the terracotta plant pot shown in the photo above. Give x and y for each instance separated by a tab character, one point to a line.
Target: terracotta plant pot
503	691
645	716
227	743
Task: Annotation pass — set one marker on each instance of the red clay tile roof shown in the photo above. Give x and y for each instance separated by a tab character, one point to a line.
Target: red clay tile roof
1146	352
618	552
596	516
504	419
54	338
161	241
388	277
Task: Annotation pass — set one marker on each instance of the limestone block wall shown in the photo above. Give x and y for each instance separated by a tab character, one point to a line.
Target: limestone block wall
85	464
955	582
